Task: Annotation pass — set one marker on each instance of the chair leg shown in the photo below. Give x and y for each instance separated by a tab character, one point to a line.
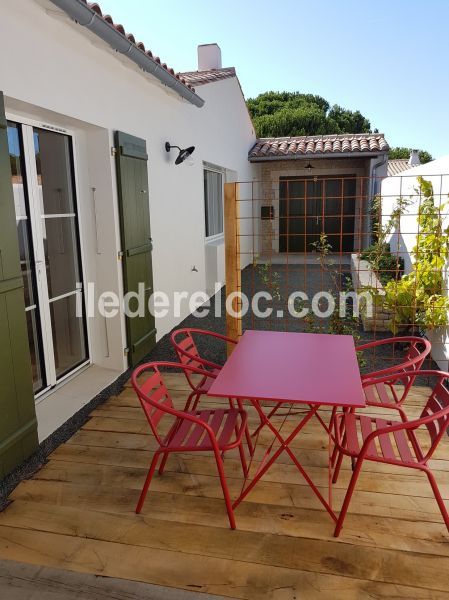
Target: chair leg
243	460
249	441
438	498
189	400
195	403
147	482
347	500
163	463
224	487
402	414
340	456
335	452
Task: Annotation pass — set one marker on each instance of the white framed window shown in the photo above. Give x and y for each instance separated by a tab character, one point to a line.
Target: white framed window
213	202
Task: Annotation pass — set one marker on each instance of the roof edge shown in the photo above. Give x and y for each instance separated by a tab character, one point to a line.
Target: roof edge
324	135
86	16
311	155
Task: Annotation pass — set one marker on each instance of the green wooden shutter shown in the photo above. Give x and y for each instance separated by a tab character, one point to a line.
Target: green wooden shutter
134	210
18	427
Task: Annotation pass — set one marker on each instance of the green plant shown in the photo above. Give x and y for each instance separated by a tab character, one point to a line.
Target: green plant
401	152
270	278
294	113
417	299
386	265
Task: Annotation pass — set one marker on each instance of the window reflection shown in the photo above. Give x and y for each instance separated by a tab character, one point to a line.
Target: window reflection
27	261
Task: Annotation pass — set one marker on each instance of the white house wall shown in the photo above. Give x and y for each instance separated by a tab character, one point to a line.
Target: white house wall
54	71
57	68
402	243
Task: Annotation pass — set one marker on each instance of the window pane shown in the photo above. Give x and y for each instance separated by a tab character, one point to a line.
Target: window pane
35	350
54	172
17	169
27	263
61	255
68	334
213	201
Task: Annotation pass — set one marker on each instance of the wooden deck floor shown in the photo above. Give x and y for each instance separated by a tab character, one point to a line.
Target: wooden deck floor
77	514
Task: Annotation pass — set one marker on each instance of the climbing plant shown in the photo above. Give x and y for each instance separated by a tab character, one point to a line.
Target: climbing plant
417	300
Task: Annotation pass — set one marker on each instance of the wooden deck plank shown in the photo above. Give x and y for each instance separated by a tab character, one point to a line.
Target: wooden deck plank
258	517
211	575
387	533
392	482
266	492
114	455
302	553
21	581
77	513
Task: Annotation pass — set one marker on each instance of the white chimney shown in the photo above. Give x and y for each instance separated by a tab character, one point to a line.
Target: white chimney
414	161
209	57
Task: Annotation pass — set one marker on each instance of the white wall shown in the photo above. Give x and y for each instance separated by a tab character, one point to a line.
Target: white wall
54	72
403	241
406	185
61	74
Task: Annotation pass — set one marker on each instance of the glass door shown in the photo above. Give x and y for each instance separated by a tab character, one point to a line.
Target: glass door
27	256
48	232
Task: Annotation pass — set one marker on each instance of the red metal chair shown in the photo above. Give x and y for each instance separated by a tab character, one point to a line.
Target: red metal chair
188	354
216	430
362	437
187	351
384	394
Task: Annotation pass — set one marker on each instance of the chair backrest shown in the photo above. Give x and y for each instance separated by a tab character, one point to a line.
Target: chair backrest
147	380
154	397
436	410
417	348
434	418
186	351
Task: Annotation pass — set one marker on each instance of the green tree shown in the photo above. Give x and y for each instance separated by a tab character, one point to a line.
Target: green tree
402	152
280	114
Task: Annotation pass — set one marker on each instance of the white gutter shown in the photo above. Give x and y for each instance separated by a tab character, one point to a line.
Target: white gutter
312	156
80	12
375	183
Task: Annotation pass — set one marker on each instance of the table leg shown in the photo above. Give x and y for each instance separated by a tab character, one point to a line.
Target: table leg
284	447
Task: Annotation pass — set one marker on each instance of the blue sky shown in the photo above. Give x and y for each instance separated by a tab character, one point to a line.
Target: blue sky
387	58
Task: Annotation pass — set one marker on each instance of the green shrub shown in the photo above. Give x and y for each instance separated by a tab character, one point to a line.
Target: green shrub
386	265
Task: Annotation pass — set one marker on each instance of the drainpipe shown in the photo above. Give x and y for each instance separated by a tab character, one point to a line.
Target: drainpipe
80	12
374	183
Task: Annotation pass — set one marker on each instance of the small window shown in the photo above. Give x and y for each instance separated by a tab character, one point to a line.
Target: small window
213	202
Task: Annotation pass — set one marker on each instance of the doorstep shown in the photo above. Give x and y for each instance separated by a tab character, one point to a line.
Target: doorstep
56	407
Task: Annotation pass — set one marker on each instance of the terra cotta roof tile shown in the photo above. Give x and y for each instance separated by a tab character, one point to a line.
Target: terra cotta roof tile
397	165
130	37
210	76
322	145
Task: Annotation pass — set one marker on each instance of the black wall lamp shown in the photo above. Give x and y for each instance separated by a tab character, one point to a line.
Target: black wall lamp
183	154
309	167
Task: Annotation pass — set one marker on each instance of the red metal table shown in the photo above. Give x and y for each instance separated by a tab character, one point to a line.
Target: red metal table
295	368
